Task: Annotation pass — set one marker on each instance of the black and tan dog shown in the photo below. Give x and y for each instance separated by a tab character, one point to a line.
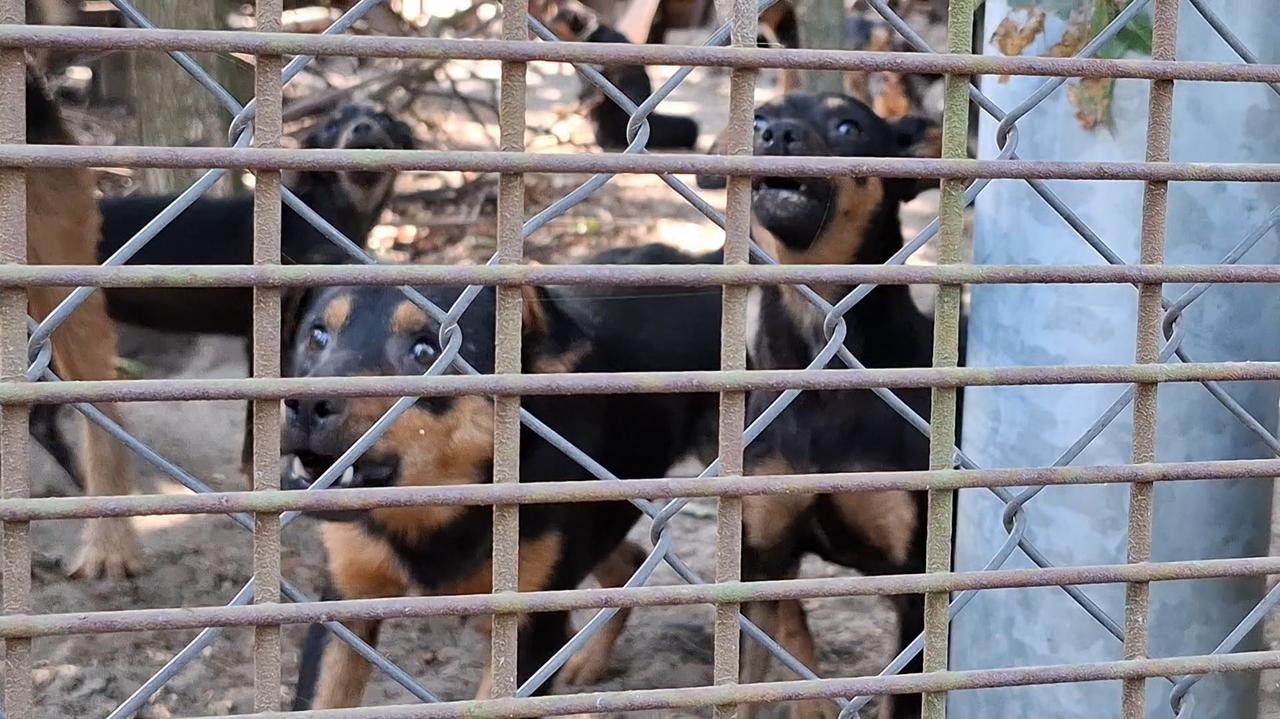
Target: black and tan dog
63	227
572	21
443	440
830	221
219	231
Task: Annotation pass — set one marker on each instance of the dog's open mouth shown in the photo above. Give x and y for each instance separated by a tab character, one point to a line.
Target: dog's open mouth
302	469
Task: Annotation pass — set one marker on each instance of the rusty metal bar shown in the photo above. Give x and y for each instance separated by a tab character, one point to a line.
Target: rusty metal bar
1155	204
177	618
946	353
677	276
266	343
67	392
44	508
427	48
771	692
507	357
15	459
253	158
739	140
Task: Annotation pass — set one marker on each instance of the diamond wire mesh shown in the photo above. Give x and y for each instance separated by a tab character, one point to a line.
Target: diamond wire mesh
833	324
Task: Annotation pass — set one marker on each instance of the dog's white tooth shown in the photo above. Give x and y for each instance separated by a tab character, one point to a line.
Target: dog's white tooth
348	476
299	470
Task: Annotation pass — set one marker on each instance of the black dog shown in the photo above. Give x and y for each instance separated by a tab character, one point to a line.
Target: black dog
573	21
826	221
829	221
443	440
219	231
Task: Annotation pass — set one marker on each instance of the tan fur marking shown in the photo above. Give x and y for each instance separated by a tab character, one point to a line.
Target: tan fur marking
794	635
63	228
887	520
533	315
767	520
344	674
337	312
434	449
361	566
591	662
408	319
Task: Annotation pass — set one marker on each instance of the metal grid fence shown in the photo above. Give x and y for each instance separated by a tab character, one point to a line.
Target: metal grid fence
254	136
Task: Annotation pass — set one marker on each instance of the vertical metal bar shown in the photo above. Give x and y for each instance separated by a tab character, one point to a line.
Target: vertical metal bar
267	128
1155	205
507	335
733	351
15	460
946	353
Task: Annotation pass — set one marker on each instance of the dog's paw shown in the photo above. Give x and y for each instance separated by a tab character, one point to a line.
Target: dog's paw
589	665
109	549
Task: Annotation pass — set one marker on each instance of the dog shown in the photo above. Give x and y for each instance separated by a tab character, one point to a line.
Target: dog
572	21
834	220
829	221
219	231
63	228
450	441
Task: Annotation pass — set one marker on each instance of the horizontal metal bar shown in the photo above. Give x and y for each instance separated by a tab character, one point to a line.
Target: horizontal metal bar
392	275
772	692
171	390
44	508
166	619
256	158
426	48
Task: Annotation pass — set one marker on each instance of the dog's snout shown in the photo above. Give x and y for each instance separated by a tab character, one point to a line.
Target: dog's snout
317	413
782	137
362	129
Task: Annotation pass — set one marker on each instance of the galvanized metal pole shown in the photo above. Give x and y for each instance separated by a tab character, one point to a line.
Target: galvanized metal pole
1034	426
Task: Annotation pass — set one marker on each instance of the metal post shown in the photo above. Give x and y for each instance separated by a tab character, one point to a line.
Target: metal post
1034	426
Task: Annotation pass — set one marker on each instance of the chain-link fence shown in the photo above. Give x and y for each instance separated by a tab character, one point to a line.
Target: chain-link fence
270	599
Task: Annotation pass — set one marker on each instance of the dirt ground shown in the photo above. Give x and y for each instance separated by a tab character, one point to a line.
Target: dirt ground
201	561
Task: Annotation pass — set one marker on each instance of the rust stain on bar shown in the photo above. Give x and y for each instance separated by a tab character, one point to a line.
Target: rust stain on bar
15	276
45	508
266	343
166	390
141	620
621	163
258	43
772	692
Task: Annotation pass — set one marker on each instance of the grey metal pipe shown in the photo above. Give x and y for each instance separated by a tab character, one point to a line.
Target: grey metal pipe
1033	426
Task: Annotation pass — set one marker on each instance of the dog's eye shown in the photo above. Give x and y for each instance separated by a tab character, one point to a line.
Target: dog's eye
319	338
759	123
848	127
423	351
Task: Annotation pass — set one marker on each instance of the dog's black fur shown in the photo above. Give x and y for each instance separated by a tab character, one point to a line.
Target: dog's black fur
219	231
571	20
838	220
441	440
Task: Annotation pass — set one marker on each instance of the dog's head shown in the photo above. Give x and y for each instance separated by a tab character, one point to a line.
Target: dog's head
824	219
569	20
357	127
377	331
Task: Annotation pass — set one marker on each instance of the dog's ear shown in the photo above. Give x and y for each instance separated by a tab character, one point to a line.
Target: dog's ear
713	182
553	340
400	134
915	136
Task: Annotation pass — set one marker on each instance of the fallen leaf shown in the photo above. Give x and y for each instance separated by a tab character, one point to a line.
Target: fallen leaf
1073	38
1091	98
1012	37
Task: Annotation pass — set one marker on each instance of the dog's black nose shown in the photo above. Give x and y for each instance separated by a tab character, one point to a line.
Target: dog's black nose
362	129
781	137
317	413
